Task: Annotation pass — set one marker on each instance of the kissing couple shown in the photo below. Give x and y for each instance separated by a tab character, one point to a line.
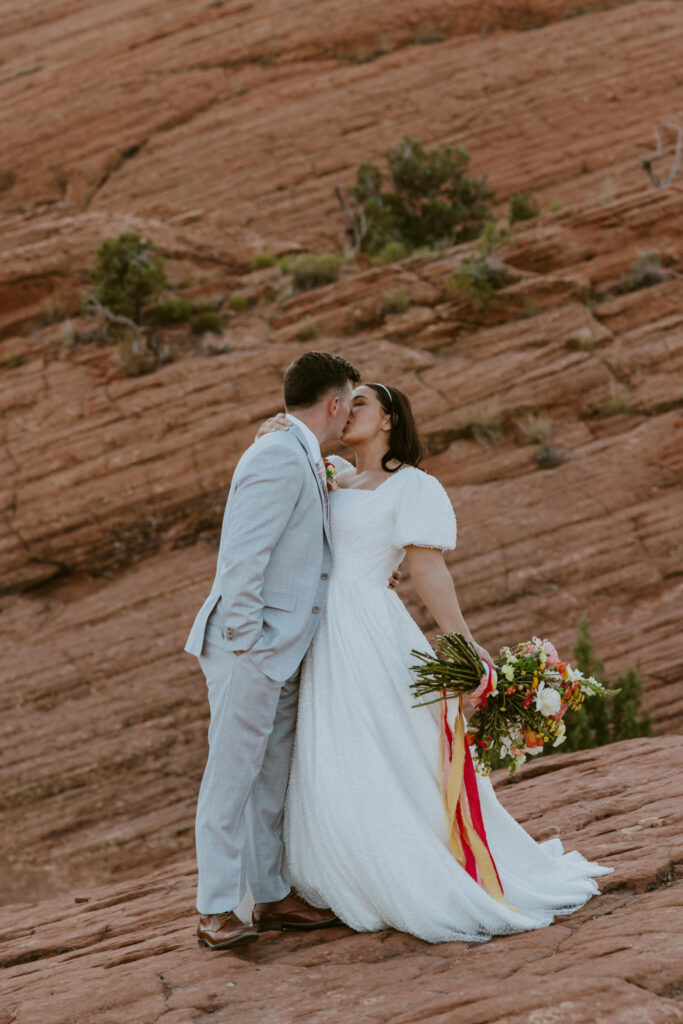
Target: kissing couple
321	774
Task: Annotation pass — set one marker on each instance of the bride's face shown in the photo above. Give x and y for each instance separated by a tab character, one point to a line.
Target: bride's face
367	420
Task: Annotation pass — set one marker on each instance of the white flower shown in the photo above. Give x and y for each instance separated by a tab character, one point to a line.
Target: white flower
509	672
548	701
519	760
560	735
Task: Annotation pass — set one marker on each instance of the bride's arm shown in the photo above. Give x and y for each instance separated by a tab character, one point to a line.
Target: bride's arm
434	585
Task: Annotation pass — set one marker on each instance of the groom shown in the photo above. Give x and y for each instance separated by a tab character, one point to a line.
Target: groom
250	637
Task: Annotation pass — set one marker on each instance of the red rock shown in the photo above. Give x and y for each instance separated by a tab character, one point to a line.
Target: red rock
218	131
128	952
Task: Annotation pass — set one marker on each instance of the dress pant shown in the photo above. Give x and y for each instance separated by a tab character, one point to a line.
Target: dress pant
241	800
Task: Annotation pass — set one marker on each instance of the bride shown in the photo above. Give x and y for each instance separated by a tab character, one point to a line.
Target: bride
365	829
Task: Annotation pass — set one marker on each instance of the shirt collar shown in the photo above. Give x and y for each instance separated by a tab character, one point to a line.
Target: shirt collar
312	441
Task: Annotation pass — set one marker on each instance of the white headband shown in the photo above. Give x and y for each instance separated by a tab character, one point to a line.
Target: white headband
377	385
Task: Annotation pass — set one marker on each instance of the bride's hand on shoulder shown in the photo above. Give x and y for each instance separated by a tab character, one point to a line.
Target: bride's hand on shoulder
279	422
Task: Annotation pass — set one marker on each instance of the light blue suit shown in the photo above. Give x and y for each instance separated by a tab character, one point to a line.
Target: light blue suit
269	590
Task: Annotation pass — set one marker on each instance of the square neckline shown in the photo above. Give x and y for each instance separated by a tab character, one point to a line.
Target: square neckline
373	490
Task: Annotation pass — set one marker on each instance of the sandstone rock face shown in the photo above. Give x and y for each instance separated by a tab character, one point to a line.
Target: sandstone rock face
553	417
247	117
127	951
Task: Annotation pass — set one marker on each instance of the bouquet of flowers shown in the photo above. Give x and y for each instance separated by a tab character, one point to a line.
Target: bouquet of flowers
520	706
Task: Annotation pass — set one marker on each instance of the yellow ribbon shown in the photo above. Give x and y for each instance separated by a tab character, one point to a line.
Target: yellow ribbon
455	794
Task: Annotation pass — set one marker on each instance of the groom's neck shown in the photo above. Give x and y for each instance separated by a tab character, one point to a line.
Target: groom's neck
315	420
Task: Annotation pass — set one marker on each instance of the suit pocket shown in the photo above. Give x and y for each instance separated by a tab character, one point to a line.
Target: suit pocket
281	599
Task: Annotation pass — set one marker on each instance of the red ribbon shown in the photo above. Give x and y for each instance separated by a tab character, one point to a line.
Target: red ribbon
467	834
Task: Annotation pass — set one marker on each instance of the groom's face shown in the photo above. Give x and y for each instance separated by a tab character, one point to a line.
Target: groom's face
343	411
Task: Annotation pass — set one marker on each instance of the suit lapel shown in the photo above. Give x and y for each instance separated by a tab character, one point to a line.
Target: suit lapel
314	469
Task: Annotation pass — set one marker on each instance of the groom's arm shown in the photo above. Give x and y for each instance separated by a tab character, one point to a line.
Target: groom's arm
260	508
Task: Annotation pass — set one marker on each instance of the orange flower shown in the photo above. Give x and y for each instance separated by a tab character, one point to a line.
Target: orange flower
532	739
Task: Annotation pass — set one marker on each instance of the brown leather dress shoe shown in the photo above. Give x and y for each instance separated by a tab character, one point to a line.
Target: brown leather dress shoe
220	931
292	913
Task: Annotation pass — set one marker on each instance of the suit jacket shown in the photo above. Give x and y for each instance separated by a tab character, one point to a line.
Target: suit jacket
274	557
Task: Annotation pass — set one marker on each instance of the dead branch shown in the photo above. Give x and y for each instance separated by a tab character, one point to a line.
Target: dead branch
139	345
648	161
357	224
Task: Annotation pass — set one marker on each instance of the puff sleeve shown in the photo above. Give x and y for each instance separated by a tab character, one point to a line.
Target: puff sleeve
424	514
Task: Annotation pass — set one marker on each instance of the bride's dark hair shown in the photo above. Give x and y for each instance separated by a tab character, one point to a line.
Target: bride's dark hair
404	440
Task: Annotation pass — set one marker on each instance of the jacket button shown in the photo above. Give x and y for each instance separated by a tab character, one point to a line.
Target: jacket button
315	609
324	576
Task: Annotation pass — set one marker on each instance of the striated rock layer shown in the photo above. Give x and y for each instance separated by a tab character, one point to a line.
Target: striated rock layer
127	951
553	417
245	117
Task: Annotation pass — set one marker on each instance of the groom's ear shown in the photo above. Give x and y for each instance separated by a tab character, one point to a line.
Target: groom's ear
332	406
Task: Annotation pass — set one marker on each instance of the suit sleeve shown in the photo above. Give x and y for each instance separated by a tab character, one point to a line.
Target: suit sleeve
261	506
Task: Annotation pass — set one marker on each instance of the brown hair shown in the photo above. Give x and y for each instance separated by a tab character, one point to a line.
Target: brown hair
312	375
404	440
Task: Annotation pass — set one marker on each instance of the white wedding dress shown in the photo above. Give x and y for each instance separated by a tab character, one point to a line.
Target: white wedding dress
365	827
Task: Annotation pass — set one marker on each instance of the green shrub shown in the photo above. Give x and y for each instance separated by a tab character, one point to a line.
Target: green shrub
206	316
307	333
523	206
534	427
127	275
390	253
601	720
261	260
432	199
238	303
171	311
619	401
312	270
547	456
395	302
11	360
477	280
487	429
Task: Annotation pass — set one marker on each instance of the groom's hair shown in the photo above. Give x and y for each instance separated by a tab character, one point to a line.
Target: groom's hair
313	375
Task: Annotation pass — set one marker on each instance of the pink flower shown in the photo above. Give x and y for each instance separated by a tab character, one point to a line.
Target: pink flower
552	657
